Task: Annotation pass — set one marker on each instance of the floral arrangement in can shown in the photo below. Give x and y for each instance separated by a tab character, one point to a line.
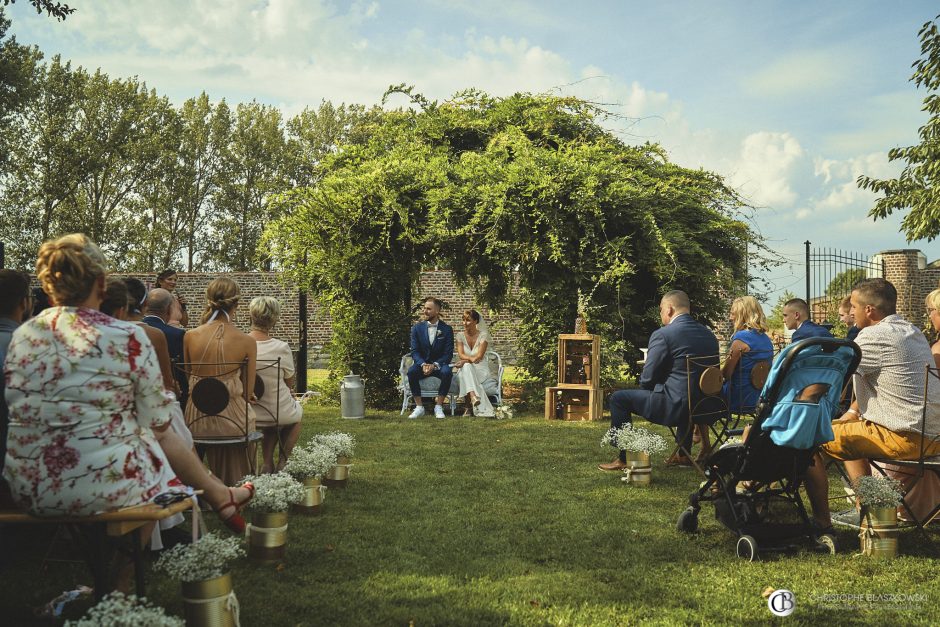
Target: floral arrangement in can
342	444
119	609
275	492
208	558
314	459
875	491
634	439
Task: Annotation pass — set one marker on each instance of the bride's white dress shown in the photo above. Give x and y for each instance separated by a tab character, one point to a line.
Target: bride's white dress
476	378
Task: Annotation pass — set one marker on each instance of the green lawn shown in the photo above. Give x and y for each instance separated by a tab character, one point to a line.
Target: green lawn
479	522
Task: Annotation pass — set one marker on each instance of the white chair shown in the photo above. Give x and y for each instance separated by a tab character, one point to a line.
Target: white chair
429	386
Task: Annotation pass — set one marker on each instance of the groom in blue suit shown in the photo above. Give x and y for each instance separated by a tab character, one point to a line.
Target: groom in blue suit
663	397
432	348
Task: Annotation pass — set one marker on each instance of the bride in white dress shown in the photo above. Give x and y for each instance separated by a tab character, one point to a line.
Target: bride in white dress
472	370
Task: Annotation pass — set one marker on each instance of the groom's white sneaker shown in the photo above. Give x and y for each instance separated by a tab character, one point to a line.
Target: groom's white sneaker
438	411
418	412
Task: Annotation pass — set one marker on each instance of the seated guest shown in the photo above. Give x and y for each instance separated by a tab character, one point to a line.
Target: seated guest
156	313
884	422
749	345
848	318
88	408
472	371
663	397
117	303
177	317
796	317
40	302
15	305
213	349
933	314
278	400
432	348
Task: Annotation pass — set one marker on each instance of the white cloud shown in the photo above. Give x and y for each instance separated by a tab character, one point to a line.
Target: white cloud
799	73
767	162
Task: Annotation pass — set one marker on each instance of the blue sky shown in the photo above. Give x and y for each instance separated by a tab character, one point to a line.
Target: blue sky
790	101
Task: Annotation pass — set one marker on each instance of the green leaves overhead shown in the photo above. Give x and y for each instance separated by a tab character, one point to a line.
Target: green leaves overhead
916	189
529	201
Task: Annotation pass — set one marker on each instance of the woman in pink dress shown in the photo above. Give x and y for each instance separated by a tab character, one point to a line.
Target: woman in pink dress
88	407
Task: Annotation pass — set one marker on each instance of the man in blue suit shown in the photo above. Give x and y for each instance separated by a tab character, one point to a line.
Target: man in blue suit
432	348
796	317
156	313
663	397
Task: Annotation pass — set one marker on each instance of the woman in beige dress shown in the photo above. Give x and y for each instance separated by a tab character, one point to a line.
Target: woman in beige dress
215	349
277	411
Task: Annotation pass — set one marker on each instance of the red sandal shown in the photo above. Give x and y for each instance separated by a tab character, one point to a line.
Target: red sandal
235	522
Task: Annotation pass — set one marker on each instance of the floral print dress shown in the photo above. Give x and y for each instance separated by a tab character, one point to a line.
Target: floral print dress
84	392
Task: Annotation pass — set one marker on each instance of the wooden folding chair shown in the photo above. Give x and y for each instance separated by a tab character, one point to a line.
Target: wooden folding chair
706	405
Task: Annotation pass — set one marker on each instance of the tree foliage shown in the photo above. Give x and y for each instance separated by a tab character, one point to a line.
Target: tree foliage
916	189
530	202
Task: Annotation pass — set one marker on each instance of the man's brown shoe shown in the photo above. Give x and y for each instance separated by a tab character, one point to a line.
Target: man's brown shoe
613	466
678	460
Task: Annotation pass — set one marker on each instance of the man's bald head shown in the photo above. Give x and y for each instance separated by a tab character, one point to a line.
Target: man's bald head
679	301
673	304
158	302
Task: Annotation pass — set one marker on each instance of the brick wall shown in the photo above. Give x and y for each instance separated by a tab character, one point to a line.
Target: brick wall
913	283
438	283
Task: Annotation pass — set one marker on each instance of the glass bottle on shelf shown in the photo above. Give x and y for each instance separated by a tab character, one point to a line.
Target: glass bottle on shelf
559	406
586	368
569	371
582	371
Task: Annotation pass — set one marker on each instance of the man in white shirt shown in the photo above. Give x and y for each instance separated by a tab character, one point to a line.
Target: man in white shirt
885	420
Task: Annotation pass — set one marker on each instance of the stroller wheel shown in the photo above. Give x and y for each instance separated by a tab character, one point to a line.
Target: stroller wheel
688	521
826	542
747	548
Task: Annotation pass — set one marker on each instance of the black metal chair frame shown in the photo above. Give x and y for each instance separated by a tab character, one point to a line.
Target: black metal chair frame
246	437
922	465
698	369
260	391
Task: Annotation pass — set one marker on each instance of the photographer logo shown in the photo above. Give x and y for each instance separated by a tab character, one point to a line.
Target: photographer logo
781	602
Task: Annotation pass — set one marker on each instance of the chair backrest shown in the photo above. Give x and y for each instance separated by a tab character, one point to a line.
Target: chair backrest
759	374
209	398
704	399
266	399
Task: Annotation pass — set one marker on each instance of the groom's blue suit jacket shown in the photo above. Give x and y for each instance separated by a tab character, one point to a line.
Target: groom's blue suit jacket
441	351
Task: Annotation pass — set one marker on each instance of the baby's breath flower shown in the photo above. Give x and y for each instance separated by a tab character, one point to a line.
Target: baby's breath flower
117	609
878	491
634	439
274	493
314	459
342	444
207	558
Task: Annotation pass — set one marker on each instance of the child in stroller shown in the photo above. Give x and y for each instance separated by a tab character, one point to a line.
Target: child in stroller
743	480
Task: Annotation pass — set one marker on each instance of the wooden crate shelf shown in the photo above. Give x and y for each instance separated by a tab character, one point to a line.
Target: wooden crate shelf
578	388
576	404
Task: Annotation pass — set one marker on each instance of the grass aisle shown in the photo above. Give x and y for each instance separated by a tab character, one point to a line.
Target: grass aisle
479	522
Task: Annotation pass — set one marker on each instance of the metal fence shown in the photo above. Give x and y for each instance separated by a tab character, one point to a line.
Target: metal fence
830	275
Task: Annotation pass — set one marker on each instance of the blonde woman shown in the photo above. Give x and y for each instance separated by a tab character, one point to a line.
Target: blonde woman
749	345
214	349
277	400
89	411
933	314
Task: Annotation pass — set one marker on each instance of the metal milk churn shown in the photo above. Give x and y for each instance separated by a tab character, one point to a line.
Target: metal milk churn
352	396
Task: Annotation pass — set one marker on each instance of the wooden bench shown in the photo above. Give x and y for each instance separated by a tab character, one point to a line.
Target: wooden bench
100	533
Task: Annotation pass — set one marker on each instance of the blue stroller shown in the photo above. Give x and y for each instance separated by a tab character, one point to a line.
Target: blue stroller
747	482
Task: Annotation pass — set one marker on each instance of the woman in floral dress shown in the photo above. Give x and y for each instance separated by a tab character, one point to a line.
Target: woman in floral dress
88	407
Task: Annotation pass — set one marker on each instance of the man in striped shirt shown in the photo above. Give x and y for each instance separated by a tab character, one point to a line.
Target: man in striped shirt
885	421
